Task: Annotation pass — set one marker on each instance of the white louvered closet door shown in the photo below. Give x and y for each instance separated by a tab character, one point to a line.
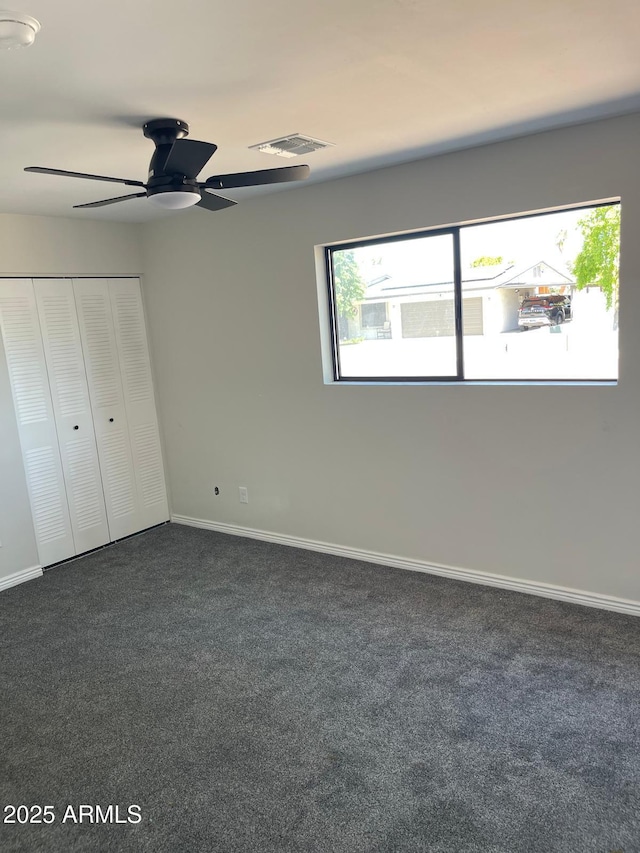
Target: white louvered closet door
117	359
139	399
72	410
35	418
107	402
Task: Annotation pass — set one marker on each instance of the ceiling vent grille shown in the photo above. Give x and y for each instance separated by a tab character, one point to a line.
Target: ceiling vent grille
294	145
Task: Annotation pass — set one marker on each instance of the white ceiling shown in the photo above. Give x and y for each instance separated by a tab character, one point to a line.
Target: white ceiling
387	81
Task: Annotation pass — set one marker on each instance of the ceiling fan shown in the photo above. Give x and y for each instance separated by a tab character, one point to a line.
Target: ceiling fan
174	168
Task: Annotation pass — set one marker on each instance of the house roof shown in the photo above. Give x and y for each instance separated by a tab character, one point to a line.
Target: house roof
537	274
511	276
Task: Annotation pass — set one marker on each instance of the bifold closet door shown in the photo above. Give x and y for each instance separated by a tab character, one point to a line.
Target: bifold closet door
72	411
117	358
139	399
107	403
35	418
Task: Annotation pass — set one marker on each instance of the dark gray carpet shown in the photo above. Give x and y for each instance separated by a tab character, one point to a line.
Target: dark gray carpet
255	698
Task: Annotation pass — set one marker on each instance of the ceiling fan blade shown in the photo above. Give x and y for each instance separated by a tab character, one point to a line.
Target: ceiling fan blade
210	201
111	200
254	179
41	170
188	157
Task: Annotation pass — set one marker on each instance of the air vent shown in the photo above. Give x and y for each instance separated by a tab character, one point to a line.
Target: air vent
294	145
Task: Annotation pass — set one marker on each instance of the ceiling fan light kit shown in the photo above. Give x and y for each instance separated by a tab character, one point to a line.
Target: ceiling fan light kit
17	30
175	165
170	199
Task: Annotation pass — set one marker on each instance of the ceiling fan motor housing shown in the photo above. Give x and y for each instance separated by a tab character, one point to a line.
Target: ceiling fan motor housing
163	132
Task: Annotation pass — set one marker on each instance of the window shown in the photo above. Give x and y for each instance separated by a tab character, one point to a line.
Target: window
532	298
373	315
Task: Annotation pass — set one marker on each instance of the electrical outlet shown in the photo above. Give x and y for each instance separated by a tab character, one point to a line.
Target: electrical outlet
244	494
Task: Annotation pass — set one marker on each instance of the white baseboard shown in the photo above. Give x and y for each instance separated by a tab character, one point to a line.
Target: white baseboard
545	590
20	577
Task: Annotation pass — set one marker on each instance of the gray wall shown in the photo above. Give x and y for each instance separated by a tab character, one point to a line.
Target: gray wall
432	473
36	245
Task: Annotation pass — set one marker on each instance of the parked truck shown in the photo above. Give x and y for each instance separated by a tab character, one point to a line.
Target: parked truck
547	310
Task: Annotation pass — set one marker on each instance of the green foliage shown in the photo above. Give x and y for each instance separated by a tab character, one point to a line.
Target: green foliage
349	284
561	239
349	287
599	259
487	261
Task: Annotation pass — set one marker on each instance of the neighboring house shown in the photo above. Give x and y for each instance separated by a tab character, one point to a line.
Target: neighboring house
491	298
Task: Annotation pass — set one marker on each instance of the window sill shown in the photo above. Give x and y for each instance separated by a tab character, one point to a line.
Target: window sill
545	383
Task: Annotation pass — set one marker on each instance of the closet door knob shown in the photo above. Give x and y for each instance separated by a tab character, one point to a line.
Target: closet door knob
110	420
76	426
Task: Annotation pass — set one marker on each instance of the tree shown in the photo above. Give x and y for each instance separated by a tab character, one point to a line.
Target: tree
487	261
349	287
598	261
561	239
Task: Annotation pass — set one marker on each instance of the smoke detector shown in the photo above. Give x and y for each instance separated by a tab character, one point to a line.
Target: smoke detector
17	30
294	145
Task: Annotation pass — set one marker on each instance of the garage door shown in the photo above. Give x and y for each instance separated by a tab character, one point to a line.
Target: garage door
427	319
436	319
472	316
